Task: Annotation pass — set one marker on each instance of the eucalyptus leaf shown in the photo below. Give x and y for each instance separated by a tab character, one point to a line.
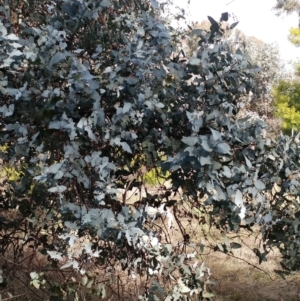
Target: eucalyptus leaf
224	17
3	30
59	189
191	141
211	20
84	280
235	245
36	283
105	3
34	275
194	61
233	25
154	4
207	295
216	134
259	185
58	56
248	162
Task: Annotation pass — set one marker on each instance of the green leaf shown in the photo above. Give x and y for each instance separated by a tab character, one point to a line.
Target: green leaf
259	185
55	255
54	168
91	282
34	275
191	141
194	61
214	26
16	53
184	289
227	172
224	17
220	247
233	25
235	245
204	144
58	56
36	283
211	20
154	4
59	189
207	295
84	280
3	30
248	163
126	107
239	198
223	148
105	3
205	161
126	147
197	32
216	134
108	70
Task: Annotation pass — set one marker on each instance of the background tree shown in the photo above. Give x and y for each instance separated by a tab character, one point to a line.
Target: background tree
260	102
286	91
294	36
286	94
287	7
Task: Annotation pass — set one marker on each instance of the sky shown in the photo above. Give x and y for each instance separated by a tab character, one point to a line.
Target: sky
256	18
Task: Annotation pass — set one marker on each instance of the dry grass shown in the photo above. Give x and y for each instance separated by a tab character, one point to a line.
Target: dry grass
238	277
236	281
239	281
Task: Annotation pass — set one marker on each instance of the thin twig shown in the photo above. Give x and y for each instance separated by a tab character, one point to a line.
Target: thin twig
230	2
249	263
14	297
26	285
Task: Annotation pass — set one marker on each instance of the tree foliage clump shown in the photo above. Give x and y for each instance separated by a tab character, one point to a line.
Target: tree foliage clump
287	7
294	36
287	95
270	72
286	91
95	93
265	56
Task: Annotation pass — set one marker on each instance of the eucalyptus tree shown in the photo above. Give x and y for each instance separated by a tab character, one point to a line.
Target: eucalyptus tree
259	53
285	91
287	7
93	93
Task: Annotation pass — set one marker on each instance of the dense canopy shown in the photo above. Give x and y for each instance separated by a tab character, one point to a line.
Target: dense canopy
96	93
